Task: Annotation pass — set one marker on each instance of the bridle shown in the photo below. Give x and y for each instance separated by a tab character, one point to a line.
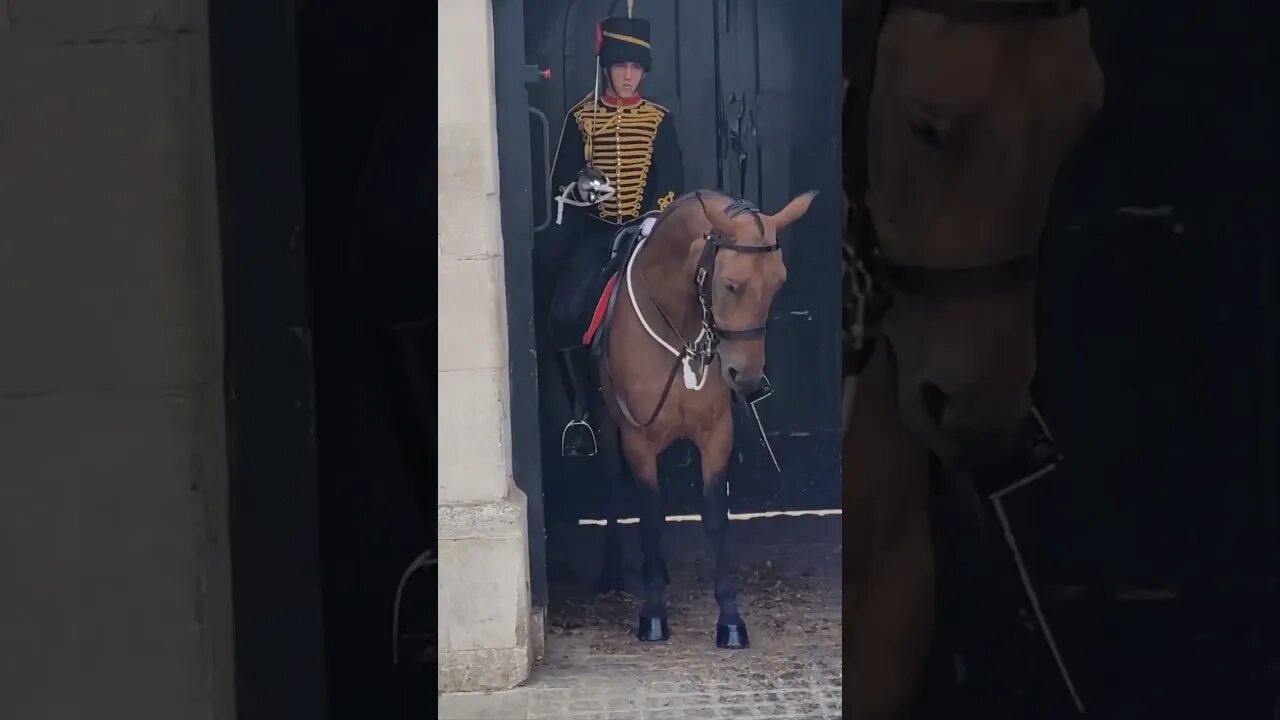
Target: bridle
716	242
875	280
703	348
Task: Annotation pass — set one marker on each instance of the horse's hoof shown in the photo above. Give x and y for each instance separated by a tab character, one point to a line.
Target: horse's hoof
653	629
609	583
732	637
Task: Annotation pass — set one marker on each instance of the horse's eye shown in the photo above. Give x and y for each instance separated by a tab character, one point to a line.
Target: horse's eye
927	132
731	287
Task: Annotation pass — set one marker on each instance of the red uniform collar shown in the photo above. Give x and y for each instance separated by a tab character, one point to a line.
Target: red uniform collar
611	100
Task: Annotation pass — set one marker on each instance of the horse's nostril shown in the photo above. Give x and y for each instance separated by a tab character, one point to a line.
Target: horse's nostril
934	400
733	373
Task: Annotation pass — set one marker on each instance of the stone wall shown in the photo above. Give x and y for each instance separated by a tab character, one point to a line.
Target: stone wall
114	564
484	549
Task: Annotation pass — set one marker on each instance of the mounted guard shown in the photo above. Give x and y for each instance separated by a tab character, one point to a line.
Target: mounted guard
618	162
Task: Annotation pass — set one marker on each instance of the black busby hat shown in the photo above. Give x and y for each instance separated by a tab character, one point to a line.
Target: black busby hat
623	39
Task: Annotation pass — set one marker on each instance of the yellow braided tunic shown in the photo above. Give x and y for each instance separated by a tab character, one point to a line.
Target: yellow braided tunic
634	145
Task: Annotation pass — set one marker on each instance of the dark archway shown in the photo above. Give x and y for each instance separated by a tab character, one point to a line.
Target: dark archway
367	103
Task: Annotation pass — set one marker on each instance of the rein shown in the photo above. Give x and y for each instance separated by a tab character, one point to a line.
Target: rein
705	346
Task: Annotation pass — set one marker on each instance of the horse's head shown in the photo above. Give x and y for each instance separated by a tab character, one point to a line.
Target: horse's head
968	124
746	273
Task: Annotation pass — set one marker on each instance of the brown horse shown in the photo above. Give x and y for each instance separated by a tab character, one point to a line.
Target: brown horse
685	330
967	114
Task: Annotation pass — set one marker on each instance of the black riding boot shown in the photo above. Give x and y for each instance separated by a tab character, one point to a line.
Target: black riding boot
578	438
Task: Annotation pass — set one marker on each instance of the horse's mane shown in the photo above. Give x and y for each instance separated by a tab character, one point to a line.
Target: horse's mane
677	204
701	196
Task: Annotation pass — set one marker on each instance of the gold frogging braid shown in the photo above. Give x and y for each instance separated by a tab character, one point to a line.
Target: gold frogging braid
621	142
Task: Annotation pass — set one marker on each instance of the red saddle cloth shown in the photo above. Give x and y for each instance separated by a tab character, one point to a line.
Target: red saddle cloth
602	307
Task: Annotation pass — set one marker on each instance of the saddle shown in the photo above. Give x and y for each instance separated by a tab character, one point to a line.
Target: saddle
622	248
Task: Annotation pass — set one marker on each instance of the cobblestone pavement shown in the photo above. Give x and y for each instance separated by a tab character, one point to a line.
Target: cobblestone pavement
788	572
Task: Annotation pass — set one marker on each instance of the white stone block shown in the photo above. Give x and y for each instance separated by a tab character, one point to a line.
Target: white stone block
484	595
469	225
467	163
103	532
467	119
109	269
472	329
465	67
480	600
471	436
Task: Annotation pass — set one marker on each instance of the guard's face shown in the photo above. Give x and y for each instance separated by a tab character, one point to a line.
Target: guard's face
625	79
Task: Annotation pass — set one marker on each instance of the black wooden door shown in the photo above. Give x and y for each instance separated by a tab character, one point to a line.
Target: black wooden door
755	90
1159	334
779	73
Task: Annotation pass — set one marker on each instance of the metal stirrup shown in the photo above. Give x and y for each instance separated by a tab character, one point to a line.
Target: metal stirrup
595	447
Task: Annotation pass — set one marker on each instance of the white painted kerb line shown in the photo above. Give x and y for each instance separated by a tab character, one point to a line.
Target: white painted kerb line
732	516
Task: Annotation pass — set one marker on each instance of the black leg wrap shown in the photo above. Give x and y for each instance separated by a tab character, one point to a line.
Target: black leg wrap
653	629
732	636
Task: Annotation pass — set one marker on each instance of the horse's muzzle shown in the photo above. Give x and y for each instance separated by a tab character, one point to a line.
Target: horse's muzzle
997	458
745	384
1033	453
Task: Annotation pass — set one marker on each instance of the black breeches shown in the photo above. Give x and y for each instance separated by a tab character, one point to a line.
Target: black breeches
578	287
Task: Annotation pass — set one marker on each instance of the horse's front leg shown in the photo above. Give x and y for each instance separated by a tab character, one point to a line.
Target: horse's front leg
643	460
715	449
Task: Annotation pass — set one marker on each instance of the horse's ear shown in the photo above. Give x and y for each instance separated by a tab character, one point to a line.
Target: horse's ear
721	222
793	211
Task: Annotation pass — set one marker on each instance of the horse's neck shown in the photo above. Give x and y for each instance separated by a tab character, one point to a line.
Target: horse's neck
668	280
